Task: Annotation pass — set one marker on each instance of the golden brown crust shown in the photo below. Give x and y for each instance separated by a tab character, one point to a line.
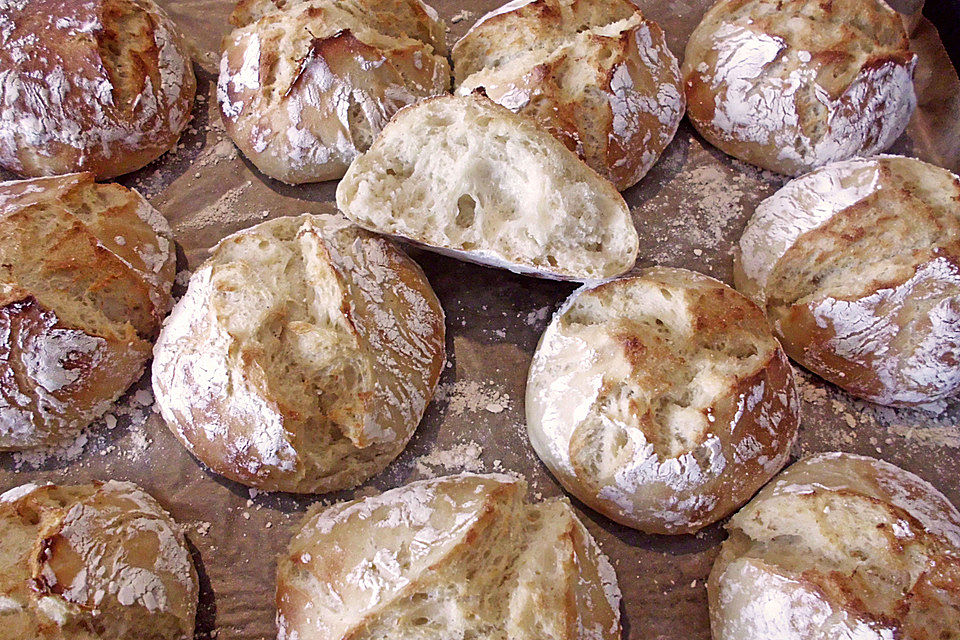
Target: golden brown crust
469	559
840	543
685	402
89	562
85	278
44	401
306	87
858	267
302	356
397	18
103	86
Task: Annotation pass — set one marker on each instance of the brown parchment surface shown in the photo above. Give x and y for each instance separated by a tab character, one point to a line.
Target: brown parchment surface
689	211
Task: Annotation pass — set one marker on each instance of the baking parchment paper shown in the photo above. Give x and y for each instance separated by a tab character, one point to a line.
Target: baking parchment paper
689	211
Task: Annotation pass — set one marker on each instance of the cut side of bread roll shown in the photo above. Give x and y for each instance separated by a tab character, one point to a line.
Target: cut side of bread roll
662	400
456	557
93	562
594	73
464	176
839	546
857	265
85	277
302	356
791	85
306	85
104	86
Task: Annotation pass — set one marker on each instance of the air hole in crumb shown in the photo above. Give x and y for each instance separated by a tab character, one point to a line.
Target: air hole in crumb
466	211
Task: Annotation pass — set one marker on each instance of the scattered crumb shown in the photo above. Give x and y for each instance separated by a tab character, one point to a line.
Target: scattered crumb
460	16
538	317
182	278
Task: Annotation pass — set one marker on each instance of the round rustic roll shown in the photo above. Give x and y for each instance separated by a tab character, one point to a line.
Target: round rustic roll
93	562
104	86
839	546
85	277
305	86
594	73
661	400
857	265
302	356
790	85
462	556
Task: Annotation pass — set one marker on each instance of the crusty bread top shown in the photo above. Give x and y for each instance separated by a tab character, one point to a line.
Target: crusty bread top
458	556
98	255
665	346
92	562
814	81
850	228
521	26
304	89
397	18
874	546
302	356
645	391
465	175
96	80
858	267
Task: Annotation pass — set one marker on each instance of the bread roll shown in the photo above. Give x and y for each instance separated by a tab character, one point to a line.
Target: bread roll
466	177
456	557
662	400
856	265
839	546
594	73
104	86
305	85
85	277
302	356
99	561
790	85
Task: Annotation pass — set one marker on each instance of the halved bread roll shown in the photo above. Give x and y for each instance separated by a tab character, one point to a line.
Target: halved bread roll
93	562
466	177
302	356
662	400
456	557
594	73
85	277
857	265
839	546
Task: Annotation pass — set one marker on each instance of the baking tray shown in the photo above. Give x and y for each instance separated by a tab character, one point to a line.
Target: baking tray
689	211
